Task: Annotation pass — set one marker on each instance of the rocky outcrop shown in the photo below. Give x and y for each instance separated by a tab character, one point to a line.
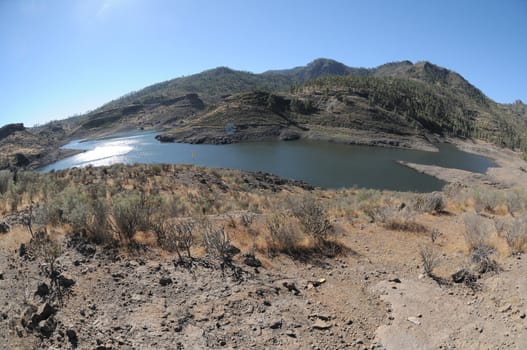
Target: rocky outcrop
9	129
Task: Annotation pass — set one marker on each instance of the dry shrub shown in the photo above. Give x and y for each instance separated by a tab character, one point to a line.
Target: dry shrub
131	213
478	236
217	242
44	248
283	236
6	181
516	235
176	236
478	231
405	225
377	213
430	259
429	203
97	223
314	220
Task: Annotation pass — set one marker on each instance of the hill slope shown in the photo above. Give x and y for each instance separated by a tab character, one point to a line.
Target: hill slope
394	100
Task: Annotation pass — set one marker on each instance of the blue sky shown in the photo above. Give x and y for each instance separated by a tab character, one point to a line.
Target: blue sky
62	57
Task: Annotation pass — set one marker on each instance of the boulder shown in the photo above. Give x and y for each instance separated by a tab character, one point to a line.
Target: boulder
251	260
47	327
4	227
21	160
65	281
42	290
43	312
72	337
165	281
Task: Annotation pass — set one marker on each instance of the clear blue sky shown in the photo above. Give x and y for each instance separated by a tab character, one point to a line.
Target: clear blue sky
61	57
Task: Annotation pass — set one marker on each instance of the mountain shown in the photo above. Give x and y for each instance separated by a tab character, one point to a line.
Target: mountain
321	67
323	100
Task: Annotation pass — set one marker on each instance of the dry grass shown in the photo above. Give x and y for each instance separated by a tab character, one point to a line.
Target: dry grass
516	235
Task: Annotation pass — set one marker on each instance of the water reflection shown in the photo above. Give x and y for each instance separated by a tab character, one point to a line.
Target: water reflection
322	164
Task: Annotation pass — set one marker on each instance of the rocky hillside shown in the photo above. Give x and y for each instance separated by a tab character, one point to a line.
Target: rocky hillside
22	147
399	104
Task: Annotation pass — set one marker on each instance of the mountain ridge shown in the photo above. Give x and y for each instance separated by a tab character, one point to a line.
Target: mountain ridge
396	104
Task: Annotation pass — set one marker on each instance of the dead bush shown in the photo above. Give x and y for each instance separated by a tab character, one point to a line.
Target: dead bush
97	227
429	203
131	213
314	220
482	259
477	231
48	251
175	236
430	259
283	237
478	236
6	181
379	213
405	225
217	243
516	235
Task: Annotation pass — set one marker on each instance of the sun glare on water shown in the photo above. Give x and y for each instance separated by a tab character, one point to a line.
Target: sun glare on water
106	153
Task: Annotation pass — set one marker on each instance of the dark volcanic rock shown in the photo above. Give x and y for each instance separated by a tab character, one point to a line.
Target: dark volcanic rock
72	337
165	281
47	327
65	281
42	290
44	311
21	160
22	250
8	129
251	260
4	227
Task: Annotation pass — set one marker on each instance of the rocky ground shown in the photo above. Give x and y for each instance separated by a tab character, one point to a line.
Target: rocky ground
374	294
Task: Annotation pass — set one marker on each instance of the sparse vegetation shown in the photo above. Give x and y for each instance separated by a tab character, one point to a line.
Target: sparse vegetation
478	237
429	203
516	235
430	259
314	221
282	236
131	212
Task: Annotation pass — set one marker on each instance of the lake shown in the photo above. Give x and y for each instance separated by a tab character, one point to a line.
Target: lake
324	164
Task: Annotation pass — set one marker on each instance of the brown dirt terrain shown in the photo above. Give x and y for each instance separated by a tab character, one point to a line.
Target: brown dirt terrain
372	293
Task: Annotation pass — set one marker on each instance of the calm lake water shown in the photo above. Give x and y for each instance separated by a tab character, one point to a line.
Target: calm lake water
328	165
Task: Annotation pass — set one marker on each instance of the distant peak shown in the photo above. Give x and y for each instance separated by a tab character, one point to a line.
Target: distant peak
221	70
324	61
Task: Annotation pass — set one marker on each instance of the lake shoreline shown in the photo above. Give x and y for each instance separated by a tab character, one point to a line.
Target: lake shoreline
309	160
218	136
